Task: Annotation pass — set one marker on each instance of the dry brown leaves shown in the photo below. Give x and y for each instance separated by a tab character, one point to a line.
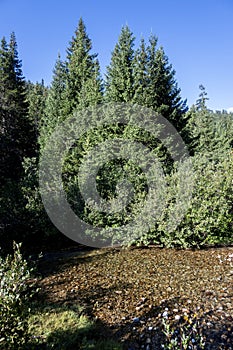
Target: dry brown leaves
118	285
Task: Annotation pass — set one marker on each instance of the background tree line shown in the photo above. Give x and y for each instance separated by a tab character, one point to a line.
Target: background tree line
31	111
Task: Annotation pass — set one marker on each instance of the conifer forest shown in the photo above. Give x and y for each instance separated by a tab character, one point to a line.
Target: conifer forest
158	273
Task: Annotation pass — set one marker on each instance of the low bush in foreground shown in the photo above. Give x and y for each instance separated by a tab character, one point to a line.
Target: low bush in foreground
14	300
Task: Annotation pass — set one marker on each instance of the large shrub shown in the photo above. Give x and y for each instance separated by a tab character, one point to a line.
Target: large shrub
15	292
210	216
206	217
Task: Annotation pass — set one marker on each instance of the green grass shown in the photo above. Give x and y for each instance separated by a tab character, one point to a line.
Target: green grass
63	328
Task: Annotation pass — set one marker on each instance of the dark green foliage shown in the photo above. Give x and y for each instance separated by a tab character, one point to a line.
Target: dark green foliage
83	84
163	92
209	218
201	101
16	131
82	87
141	75
29	113
17	139
119	78
36	97
14	297
76	84
144	77
209	133
37	227
53	111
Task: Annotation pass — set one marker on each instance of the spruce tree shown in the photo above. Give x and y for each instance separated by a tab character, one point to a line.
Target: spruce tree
91	92
210	133
201	101
120	72
199	126
140	75
36	97
17	132
163	94
83	79
54	104
17	140
144	77
77	85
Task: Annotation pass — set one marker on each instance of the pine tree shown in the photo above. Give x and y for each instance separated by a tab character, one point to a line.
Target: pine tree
91	92
201	101
210	133
54	104
140	75
144	77
77	84
163	94
17	132
151	73
83	85
36	97
17	140
120	75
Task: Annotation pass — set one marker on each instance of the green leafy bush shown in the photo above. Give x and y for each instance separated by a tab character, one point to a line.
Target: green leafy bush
209	218
15	275
196	205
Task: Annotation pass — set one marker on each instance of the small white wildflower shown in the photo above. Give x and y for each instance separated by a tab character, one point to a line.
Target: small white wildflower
177	317
165	314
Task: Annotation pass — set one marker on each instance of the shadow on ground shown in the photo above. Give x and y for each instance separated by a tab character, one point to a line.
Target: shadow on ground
137	331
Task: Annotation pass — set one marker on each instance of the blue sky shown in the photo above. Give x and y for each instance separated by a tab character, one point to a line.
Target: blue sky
197	36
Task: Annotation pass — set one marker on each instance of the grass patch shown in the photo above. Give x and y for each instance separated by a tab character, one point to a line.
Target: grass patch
61	328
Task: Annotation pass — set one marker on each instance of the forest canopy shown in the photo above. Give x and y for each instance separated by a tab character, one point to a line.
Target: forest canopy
141	76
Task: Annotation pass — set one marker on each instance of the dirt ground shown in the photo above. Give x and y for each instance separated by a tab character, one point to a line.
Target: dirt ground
128	290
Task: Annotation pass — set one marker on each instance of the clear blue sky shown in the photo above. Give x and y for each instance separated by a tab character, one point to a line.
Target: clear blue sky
197	36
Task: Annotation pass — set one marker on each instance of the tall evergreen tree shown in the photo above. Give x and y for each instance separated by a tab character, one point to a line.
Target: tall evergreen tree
140	75
83	79
76	84
210	133
199	125
54	104
36	97
201	101
144	77
17	140
91	92
163	94
16	130
120	75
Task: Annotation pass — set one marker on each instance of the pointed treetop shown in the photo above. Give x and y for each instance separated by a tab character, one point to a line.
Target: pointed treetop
82	67
80	41
201	101
119	77
4	44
